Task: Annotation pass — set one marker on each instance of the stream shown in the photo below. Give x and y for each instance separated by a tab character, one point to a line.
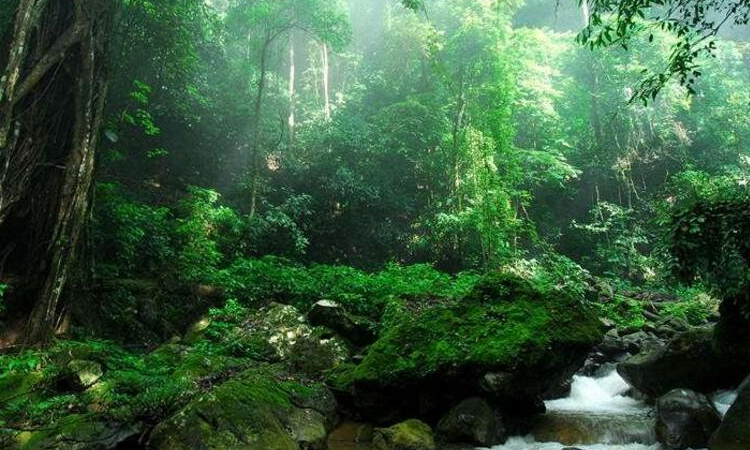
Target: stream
598	415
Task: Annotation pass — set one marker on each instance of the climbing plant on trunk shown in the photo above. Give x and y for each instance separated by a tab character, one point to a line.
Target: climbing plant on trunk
52	95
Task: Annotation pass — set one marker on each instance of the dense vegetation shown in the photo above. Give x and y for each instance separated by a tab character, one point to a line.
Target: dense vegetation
481	186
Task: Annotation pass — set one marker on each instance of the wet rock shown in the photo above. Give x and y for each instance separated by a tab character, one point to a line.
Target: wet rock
473	421
734	431
349	435
330	314
409	435
685	419
688	361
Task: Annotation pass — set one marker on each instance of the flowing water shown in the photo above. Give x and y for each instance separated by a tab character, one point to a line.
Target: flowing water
598	415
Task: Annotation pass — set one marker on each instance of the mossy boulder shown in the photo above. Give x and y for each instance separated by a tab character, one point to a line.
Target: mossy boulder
330	314
80	432
250	412
409	435
427	360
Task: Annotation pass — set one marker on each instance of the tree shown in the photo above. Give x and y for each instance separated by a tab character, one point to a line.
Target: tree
695	23
52	95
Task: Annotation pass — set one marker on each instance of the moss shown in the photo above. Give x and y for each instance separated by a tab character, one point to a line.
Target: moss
242	413
409	435
505	322
78	432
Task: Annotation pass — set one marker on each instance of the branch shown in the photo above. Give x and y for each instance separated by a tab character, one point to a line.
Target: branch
55	54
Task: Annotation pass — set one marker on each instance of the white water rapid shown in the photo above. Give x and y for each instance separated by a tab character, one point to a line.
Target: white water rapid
597	415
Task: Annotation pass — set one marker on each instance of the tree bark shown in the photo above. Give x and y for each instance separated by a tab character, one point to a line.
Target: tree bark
53	93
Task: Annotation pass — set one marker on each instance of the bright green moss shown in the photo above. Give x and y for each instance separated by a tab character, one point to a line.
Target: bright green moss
506	322
244	412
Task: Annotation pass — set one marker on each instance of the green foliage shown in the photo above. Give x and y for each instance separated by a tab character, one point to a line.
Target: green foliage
265	279
620	240
131	238
694	23
201	229
706	223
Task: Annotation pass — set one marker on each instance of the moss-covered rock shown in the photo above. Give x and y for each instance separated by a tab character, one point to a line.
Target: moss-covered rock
409	435
249	412
536	334
79	432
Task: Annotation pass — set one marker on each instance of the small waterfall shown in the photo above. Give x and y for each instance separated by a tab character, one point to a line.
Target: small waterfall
601	395
597	415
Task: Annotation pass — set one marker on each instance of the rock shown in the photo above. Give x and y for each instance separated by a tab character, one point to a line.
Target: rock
473	421
250	412
308	428
409	435
330	314
590	428
349	435
280	333
314	354
688	361
685	419
734	431
79	375
640	340
506	341
87	372
82	432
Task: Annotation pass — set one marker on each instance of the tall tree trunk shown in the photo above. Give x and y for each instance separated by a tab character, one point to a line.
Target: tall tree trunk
53	92
326	81
255	149
292	121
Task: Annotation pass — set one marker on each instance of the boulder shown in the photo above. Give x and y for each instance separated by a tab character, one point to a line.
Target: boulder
688	361
330	314
734	431
508	340
250	412
82	374
308	428
473	421
350	435
685	419
81	432
409	435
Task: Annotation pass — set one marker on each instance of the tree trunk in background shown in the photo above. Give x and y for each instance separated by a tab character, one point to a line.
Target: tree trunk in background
255	149
292	121
326	80
51	106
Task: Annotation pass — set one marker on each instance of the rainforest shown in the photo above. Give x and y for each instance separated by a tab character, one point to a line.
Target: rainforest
374	224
